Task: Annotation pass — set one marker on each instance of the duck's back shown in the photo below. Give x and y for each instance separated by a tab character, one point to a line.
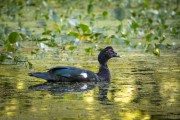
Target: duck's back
67	74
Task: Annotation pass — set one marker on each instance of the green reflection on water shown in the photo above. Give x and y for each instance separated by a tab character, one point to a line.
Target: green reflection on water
142	87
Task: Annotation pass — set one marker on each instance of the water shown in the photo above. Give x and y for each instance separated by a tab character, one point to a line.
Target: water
143	87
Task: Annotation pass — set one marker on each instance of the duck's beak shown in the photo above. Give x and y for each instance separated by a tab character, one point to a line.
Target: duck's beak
115	55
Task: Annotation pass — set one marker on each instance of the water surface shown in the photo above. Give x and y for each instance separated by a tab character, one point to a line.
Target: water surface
143	87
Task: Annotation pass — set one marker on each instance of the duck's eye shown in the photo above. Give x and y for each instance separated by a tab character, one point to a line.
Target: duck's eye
110	50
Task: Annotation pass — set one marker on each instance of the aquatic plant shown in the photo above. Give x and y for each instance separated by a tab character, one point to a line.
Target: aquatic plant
65	24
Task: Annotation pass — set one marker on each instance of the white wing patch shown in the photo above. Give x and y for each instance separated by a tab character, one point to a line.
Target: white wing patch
84	87
84	75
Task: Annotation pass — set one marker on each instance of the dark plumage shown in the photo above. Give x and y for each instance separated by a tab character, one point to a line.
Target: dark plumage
72	74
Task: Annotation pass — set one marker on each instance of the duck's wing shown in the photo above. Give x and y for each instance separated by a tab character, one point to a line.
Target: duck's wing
70	74
66	71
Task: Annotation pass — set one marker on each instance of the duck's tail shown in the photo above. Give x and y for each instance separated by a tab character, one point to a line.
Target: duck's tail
43	75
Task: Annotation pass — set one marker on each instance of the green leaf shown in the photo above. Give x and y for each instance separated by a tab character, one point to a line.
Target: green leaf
108	40
84	28
162	39
149	37
156	51
168	45
14	37
23	36
53	15
3	57
100	49
71	47
119	27
127	42
134	25
9	47
105	14
149	47
75	34
124	34
15	59
90	8
47	32
89	50
30	65
119	13
46	16
43	39
51	44
56	27
32	52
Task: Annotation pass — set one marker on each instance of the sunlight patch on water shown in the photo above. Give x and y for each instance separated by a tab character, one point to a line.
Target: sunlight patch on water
20	85
88	97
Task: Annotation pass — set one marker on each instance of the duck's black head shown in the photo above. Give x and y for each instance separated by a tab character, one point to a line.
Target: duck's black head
106	54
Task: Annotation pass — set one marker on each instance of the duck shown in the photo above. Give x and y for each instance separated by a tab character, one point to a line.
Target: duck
73	74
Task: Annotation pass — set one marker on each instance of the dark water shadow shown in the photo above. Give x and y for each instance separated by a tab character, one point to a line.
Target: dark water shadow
103	91
59	88
147	86
148	89
63	87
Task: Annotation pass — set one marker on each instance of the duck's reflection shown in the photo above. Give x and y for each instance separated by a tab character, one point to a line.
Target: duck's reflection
69	87
103	91
63	87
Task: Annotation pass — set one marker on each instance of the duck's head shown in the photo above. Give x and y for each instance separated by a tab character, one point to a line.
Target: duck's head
106	54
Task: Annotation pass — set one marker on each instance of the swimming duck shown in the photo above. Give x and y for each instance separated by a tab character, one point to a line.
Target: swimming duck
73	74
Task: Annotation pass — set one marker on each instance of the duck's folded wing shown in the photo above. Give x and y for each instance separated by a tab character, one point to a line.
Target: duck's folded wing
65	71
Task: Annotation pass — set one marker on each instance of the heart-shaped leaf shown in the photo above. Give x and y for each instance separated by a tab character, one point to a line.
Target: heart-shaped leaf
14	37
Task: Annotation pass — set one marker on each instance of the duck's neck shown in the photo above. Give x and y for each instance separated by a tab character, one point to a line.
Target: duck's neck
104	73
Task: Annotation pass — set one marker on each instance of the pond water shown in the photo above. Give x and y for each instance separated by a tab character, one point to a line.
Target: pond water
143	87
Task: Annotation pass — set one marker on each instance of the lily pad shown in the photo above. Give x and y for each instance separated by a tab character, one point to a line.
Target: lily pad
14	37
